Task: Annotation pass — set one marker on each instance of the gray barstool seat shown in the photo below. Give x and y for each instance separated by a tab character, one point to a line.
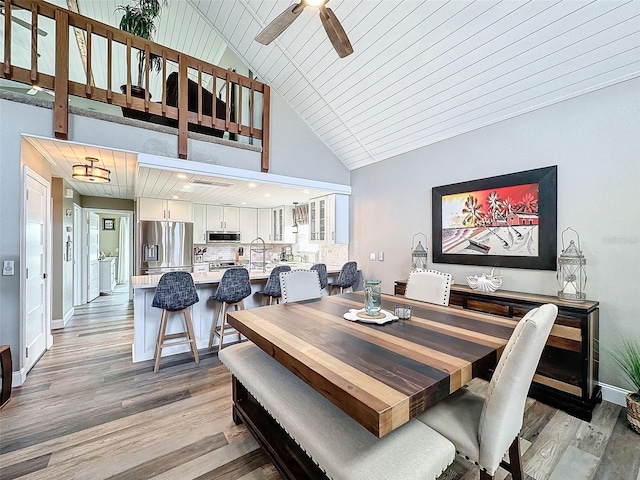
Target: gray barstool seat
175	293
234	287
321	268
272	288
347	278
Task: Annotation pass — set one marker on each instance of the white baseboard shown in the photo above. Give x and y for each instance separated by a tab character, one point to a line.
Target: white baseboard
614	394
62	322
18	378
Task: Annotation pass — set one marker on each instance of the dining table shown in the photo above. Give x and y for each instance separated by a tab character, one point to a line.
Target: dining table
381	375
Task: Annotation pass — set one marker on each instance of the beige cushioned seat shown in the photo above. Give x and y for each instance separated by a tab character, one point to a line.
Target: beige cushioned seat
334	441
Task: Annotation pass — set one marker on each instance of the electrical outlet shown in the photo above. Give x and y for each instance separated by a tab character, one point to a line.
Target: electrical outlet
381	256
372	256
8	267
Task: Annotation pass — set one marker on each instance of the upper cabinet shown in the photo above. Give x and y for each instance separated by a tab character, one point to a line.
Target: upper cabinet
199	223
225	218
165	210
329	219
282	225
248	224
264	224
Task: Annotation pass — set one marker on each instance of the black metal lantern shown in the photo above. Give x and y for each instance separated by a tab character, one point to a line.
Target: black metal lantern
418	252
571	274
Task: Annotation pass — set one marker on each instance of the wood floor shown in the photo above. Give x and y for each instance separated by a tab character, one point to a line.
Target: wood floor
87	412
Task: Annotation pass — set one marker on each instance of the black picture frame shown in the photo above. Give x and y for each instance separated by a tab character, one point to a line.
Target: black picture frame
108	223
547	228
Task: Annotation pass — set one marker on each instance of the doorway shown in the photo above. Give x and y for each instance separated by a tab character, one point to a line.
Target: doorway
36	255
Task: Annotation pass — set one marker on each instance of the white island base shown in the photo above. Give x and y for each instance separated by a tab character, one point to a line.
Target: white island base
146	319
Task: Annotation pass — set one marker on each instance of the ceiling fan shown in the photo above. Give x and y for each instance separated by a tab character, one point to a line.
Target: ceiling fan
21	22
330	22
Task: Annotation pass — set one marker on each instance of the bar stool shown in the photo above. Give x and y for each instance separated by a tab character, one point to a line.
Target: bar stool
347	278
175	293
234	287
321	268
272	288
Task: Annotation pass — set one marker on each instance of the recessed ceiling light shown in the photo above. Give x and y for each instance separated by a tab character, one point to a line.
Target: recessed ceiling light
267	194
252	185
182	176
306	191
244	203
175	196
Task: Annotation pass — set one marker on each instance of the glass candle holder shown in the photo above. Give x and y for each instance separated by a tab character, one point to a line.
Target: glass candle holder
372	298
403	312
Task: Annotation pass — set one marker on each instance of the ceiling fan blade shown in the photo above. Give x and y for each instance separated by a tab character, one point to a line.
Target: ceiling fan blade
279	24
335	32
24	24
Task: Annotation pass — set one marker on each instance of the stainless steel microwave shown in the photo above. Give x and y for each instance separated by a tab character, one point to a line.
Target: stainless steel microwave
223	237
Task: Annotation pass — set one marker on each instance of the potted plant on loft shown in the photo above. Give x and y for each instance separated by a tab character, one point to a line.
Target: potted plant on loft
139	18
627	356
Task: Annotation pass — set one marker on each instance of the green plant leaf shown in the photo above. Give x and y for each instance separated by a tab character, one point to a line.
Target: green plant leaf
627	357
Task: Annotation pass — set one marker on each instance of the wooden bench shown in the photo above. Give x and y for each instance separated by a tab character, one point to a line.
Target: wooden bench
307	436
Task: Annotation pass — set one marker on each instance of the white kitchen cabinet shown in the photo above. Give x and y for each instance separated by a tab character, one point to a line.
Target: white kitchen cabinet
329	219
165	210
223	218
199	223
264	224
248	224
282	225
107	275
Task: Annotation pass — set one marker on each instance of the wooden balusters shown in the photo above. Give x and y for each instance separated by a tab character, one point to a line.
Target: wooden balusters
61	81
7	38
183	108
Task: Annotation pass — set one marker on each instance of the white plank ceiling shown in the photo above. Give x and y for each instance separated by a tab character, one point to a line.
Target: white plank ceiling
421	71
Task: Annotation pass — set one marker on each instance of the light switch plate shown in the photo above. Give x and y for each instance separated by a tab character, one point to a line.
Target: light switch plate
372	256
7	267
381	256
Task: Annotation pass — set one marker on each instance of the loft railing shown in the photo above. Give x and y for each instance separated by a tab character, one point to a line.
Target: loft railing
103	47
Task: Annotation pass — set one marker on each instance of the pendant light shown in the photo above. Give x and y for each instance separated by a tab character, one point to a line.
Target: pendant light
91	173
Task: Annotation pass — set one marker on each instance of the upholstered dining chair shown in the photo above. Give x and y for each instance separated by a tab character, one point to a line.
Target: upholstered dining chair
321	268
483	429
347	278
272	288
299	285
233	288
429	286
175	293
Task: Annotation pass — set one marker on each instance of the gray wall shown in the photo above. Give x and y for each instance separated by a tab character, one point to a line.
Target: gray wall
296	152
595	143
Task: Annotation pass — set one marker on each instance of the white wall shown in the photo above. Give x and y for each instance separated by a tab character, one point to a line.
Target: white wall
593	139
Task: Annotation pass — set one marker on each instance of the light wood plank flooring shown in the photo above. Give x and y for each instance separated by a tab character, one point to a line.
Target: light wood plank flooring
87	412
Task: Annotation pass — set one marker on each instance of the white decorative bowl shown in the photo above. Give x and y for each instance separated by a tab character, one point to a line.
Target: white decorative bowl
485	282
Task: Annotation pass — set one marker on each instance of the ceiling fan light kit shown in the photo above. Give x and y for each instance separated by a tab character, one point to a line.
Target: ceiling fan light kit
335	31
91	173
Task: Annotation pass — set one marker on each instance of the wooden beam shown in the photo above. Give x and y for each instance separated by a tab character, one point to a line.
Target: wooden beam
266	129
183	107
61	83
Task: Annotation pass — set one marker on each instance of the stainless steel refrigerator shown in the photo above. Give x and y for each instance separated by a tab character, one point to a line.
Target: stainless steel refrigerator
164	247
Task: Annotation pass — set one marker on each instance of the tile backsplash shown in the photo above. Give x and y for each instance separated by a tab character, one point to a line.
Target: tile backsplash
329	254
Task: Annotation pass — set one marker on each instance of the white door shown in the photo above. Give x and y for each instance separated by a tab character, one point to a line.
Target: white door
77	255
93	290
36	263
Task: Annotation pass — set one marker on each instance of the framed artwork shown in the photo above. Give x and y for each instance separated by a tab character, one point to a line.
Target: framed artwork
108	223
504	221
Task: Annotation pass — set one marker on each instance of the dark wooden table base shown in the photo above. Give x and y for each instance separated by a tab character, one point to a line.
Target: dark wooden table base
290	460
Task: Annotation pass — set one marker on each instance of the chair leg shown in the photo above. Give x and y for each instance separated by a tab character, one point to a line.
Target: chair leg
161	333
239	306
190	334
485	476
216	314
223	324
515	459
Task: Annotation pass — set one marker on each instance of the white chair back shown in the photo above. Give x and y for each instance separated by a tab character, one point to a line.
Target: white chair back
299	285
429	286
503	410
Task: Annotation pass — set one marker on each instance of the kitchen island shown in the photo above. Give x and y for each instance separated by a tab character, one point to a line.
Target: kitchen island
146	319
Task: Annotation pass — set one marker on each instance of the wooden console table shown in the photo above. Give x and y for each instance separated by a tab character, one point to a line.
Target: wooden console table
568	370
